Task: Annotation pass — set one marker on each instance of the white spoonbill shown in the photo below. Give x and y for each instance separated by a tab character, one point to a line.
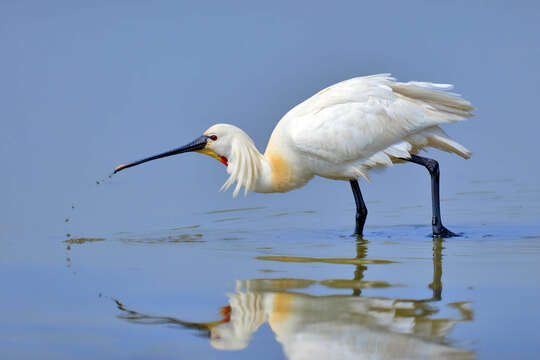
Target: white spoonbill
340	133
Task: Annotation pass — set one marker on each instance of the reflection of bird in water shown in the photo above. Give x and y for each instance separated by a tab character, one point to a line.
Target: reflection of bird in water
328	327
341	327
332	326
340	133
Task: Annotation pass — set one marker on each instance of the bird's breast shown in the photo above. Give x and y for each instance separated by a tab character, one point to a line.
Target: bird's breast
286	172
281	179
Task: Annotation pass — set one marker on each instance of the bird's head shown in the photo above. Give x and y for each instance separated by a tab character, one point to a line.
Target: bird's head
226	143
222	139
216	142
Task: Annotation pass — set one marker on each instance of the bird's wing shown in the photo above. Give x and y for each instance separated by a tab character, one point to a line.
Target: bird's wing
359	117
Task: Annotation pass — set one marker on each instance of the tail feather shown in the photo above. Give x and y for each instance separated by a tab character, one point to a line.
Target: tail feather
431	137
446	144
433	95
437	138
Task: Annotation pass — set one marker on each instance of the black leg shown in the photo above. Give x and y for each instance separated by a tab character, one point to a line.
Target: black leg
433	167
361	209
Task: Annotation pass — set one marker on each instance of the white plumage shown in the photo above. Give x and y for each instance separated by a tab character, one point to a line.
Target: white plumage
343	131
370	121
340	133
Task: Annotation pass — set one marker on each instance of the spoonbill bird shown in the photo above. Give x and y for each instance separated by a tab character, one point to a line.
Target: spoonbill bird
340	133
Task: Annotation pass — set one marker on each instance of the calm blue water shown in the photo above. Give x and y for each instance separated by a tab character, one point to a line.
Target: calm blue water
291	291
156	263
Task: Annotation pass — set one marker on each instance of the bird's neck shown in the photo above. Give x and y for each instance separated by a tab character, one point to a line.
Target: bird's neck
278	173
271	172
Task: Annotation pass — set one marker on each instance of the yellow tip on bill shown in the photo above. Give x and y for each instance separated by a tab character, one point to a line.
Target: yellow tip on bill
119	167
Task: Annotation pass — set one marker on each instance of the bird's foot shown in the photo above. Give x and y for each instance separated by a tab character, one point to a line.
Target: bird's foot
357	232
442	232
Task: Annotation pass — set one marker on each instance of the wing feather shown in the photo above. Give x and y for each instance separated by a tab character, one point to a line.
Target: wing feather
360	117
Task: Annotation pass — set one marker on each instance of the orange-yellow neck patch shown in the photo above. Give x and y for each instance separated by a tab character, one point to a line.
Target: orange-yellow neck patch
281	172
212	153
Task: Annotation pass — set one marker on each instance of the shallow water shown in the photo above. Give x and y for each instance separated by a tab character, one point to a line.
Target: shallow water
240	290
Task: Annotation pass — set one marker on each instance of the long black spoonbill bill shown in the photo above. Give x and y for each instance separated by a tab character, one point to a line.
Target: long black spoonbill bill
340	133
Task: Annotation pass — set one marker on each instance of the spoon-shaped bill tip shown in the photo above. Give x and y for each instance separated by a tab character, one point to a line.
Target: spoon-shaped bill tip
119	168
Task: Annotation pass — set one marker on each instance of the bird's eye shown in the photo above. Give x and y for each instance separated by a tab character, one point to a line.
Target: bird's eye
213	137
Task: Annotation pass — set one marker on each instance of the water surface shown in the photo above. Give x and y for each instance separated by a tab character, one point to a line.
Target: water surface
211	290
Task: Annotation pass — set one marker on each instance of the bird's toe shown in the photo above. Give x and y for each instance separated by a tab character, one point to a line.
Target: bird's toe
444	233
